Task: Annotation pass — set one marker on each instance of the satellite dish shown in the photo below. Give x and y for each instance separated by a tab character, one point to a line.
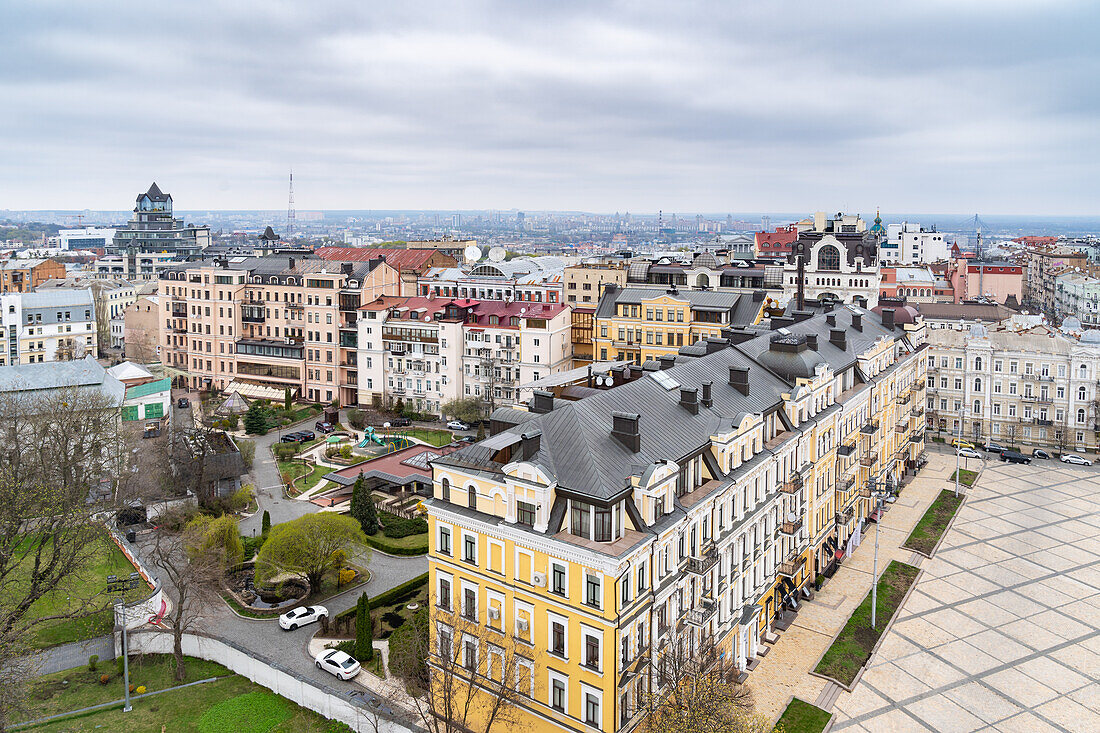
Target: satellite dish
792	517
497	254
385	424
472	253
427	319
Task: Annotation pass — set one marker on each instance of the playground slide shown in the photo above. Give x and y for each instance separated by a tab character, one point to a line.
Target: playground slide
370	437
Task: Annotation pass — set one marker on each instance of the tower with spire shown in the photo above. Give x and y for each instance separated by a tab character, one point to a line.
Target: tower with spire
877	229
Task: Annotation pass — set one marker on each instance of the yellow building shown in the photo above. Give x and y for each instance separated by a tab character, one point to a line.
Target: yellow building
689	507
645	323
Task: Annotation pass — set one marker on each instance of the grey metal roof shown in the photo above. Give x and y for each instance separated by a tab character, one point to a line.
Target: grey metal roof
58	298
740	304
83	374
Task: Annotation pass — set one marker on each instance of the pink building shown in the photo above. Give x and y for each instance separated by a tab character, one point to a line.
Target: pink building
1000	281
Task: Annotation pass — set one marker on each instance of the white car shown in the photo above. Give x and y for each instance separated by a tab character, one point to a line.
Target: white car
969	453
301	616
1075	459
457	425
338	663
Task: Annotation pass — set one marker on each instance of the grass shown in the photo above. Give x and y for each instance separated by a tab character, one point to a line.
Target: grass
108	560
228	704
384	623
427	435
852	647
967	478
413	544
302	477
802	717
934	522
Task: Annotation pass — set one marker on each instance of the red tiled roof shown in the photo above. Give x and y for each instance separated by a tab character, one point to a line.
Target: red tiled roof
402	259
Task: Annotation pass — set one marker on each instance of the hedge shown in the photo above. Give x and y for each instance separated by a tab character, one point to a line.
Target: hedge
393	595
381	544
396	527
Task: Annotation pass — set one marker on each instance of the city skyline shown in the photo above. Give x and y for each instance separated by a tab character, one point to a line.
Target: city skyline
554	108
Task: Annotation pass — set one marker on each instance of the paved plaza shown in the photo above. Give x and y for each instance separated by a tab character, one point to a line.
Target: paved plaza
1002	631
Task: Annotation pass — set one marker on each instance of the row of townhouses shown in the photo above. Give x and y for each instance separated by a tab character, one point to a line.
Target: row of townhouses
52	325
681	509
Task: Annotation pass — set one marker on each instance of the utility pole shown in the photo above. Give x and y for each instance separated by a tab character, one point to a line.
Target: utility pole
119	586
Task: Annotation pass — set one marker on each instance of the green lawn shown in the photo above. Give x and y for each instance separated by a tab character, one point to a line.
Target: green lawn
852	647
108	560
229	704
432	437
303	477
934	522
400	545
802	717
967	478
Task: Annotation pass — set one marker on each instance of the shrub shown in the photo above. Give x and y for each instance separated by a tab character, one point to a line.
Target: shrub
248	451
119	665
93	661
364	650
396	527
265	523
285	451
131	515
104	679
345	452
242	498
234	421
347	646
393	619
345	576
357	419
407	646
140	689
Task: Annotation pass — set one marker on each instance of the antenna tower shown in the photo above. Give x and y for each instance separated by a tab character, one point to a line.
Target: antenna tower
290	207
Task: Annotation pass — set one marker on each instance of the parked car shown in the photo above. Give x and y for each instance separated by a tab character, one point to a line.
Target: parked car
961	444
457	425
291	438
1014	457
1039	453
969	453
183	402
307	435
338	663
1075	459
466	439
400	422
994	448
324	427
301	616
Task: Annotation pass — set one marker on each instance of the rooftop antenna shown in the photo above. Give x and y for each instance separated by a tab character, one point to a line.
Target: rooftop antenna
290	207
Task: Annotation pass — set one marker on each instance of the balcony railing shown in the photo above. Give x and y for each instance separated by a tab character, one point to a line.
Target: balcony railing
916	412
870	428
916	437
703	562
846	449
701	615
868	460
791	528
865	492
901	427
791	566
792	485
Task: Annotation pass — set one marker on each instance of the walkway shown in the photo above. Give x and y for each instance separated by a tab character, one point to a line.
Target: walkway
785	670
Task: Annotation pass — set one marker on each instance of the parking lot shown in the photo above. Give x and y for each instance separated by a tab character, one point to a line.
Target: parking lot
1002	630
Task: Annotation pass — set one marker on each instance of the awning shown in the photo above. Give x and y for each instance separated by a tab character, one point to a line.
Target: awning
748	613
874	516
839	555
258	391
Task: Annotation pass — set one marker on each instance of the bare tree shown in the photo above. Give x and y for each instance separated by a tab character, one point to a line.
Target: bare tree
466	677
191	574
692	691
102	316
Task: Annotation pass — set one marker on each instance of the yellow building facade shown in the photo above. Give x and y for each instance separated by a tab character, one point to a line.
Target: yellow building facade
688	508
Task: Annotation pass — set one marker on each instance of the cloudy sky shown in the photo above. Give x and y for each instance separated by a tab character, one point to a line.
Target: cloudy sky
936	106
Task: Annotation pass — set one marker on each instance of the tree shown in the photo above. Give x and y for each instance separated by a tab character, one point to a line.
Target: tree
248	451
219	536
399	406
468	409
480	431
255	421
693	693
305	546
286	399
439	668
364	631
357	418
265	523
191	569
362	507
102	316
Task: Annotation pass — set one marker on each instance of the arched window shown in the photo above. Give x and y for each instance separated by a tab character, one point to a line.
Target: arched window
446	490
471	493
828	258
978	384
1081	394
702	281
1084	372
977	365
1080	416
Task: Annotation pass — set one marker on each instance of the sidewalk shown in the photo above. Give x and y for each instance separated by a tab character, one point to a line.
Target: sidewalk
786	669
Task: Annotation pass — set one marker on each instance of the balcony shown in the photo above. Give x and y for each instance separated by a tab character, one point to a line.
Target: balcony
846	484
703	563
868	460
792	485
901	427
846	449
791	566
916	437
865	492
179	313
919	384
870	428
847	514
1045	423
790	528
701	615
916	412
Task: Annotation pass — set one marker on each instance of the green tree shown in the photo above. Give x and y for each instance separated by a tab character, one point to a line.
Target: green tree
480	430
265	523
399	406
465	409
248	451
362	507
286	399
305	546
255	421
219	535
357	418
364	631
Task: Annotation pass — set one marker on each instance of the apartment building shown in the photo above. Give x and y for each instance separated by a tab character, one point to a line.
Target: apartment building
55	325
1077	295
836	260
706	272
23	276
917	284
775	244
639	324
909	243
133	266
1044	264
412	264
527	279
684	509
1002	282
585	283
112	297
260	325
1017	385
142	324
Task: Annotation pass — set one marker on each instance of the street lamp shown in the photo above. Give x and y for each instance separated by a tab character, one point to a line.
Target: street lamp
118	587
878	496
958	447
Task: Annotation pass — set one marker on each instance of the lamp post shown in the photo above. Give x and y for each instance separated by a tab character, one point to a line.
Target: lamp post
874	569
958	447
118	587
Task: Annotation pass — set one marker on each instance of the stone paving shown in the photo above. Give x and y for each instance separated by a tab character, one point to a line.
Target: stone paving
1002	631
785	670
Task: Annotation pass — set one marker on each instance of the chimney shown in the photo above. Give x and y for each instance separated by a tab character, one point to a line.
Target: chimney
667	360
741	335
811	341
778	322
617	375
542	402
706	398
800	316
346	268
716	344
888	318
831	319
758	296
291	262
624	428
589	382
529	444
837	338
857	321
739	379
689	399
727	334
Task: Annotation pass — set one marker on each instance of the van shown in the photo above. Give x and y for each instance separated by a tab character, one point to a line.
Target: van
1014	457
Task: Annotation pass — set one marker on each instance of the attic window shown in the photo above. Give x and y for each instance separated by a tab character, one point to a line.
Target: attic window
664	380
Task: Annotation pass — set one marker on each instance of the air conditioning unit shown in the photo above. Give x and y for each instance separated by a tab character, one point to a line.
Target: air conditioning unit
494	612
522	624
540	580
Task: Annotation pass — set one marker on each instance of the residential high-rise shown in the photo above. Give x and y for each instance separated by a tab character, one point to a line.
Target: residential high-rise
153	228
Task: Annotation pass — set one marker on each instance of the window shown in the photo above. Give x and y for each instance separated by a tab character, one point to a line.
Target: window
591	652
581	524
1080	416
469	548
557	695
1081	393
446	490
603	524
525	513
592	590
444	598
471	494
471	655
469	604
591	709
557	638
558	579
829	258
444	540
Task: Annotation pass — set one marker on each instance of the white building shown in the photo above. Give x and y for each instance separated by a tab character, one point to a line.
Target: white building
86	238
528	279
112	297
911	244
1078	295
53	325
1027	387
